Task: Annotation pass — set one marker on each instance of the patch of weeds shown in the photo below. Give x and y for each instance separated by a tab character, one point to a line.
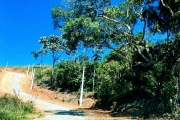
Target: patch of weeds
12	108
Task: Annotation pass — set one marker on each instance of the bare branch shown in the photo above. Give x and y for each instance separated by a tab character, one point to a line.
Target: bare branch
177	13
166	6
139	14
116	21
144	30
127	15
139	51
170	10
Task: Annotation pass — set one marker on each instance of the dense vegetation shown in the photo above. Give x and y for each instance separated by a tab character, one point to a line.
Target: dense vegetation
12	108
139	70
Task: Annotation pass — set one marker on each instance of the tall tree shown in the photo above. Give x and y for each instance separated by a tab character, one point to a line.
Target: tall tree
55	45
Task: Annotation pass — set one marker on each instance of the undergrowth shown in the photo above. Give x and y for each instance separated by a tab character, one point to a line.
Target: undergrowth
12	108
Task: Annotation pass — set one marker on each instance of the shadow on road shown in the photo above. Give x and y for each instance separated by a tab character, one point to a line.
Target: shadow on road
69	112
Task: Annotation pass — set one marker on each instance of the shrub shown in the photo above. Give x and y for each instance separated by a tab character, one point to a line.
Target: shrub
12	108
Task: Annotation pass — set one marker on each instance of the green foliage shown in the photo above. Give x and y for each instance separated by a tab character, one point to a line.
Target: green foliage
81	25
42	74
110	81
163	17
81	29
69	75
12	108
136	68
35	54
53	44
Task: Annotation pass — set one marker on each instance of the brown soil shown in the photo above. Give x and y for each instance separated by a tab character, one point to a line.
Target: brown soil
5	82
63	99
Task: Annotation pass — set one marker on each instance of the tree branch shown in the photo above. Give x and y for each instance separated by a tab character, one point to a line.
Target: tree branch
139	51
127	15
144	30
170	10
116	21
138	13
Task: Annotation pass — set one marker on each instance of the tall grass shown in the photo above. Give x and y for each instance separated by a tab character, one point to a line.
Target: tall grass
12	108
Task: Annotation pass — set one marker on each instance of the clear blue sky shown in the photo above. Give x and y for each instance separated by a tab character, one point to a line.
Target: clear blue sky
22	23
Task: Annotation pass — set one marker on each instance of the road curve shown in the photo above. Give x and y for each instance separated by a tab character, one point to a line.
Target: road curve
53	111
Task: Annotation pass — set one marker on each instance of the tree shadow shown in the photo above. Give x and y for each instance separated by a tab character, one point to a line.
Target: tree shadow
69	112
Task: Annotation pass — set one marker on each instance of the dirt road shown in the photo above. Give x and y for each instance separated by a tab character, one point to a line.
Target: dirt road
53	111
10	83
46	101
5	82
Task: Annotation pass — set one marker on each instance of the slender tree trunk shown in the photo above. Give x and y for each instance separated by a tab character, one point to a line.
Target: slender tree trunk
52	72
41	67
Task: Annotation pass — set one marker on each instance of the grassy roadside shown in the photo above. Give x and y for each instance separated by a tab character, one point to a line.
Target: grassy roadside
12	108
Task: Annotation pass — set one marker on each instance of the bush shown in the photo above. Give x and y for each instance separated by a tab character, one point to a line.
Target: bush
12	108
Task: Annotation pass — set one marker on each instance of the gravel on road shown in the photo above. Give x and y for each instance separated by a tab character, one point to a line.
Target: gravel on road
52	111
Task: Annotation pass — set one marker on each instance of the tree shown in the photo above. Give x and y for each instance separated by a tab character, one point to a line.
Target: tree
55	45
79	22
148	72
112	27
35	54
96	57
41	52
